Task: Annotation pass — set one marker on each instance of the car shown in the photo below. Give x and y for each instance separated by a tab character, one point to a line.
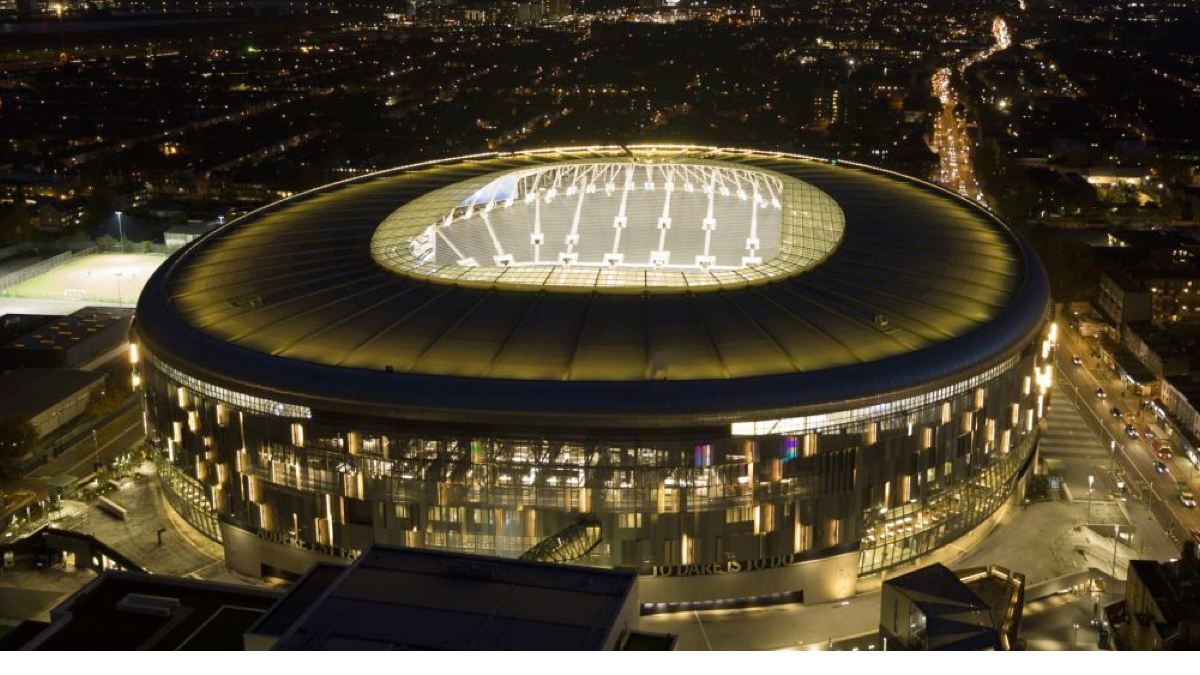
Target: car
1100	393
1116	412
1160	467
1164	453
1196	535
1148	434
1075	358
1187	499
1131	431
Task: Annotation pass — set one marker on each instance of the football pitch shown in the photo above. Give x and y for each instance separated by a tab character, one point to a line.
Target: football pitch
102	277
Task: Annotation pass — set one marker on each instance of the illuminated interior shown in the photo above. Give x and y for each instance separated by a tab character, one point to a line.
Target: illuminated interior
645	225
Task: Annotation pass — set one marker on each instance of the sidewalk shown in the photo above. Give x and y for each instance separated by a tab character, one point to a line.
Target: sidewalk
27	593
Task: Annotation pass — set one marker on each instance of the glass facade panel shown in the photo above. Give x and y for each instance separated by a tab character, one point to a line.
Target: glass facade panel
902	478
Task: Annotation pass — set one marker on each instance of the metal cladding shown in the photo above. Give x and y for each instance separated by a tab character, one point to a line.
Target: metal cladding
289	300
690	361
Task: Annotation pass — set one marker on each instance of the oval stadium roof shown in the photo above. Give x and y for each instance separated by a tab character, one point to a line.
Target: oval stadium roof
920	285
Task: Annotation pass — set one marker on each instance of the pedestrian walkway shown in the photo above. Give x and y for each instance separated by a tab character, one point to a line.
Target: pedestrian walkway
1067	435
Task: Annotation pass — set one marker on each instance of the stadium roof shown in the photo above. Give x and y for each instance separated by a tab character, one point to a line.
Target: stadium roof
920	286
664	226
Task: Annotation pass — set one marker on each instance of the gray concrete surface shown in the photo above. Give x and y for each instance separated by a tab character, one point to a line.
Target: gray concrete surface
29	594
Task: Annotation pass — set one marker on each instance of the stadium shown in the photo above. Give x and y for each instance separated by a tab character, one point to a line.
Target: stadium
745	374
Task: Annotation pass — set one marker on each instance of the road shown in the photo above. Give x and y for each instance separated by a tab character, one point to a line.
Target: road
118	436
951	142
1079	383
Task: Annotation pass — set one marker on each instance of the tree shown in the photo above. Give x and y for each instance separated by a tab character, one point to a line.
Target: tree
15	224
101	203
106	242
17	439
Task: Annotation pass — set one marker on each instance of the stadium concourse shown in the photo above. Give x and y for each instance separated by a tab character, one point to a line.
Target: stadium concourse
755	377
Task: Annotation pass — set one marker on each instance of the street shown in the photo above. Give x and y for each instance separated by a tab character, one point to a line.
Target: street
951	142
116	437
1078	383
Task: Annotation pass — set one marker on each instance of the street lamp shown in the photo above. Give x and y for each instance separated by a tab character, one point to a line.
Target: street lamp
121	231
1091	479
1116	538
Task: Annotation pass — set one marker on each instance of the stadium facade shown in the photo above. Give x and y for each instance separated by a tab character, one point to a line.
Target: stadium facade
690	361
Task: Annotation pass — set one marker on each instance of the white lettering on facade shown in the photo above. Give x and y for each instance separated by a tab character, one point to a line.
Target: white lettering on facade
731	567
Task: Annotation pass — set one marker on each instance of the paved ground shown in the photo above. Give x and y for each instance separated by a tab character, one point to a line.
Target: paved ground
1042	540
770	628
31	593
1136	457
1063	622
1049	539
48	307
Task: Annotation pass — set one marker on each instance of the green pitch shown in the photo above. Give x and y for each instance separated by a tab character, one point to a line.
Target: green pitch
95	278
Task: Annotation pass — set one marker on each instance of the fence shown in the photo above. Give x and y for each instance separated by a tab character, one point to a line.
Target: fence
37	269
75	296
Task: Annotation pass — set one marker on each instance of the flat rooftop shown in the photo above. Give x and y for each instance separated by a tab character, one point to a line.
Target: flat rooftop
29	391
129	611
401	598
65	332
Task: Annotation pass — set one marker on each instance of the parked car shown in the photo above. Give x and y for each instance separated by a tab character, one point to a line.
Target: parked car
1100	393
1196	535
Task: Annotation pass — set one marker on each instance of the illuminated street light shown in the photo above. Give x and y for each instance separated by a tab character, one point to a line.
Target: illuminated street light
1089	505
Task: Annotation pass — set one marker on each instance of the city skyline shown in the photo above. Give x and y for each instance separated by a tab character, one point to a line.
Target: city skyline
798	314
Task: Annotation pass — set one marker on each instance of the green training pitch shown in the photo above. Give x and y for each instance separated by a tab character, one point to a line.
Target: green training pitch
103	277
